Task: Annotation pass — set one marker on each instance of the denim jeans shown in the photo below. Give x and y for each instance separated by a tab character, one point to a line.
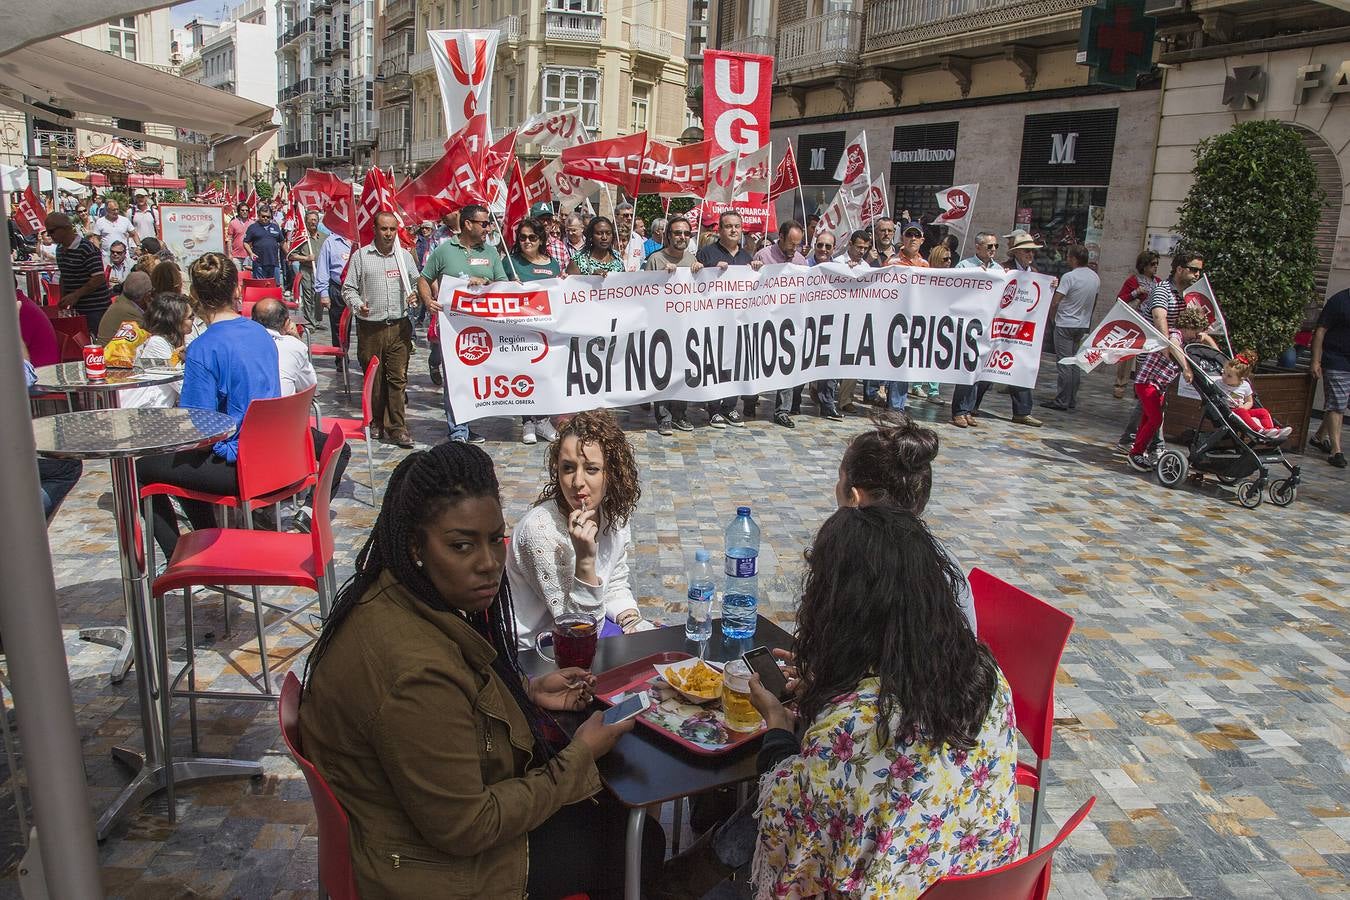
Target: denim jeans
273	272
56	477
670	410
456	431
896	392
827	395
967	397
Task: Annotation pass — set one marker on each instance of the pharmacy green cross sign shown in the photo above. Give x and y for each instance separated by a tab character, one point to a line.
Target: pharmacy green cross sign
1117	42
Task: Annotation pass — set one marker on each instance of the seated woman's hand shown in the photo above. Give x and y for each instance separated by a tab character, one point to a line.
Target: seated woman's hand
564	690
599	737
775	714
794	680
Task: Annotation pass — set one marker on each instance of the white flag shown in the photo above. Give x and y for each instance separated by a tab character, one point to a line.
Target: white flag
958	206
464	61
557	129
875	202
752	173
1122	334
837	220
1201	294
853	172
721	186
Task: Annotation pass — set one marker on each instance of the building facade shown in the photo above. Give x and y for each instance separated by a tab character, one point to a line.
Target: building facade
238	57
325	64
145	39
622	64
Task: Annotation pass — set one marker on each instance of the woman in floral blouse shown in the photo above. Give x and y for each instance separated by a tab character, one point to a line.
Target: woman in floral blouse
597	256
905	769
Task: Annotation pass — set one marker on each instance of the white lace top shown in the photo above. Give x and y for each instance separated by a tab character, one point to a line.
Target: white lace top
541	567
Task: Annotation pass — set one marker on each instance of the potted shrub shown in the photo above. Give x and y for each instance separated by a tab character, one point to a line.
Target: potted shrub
1252	213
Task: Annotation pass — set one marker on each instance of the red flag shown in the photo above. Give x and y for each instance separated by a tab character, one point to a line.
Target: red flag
294	223
28	213
474	134
785	176
498	157
689	169
330	195
240	196
517	203
452	178
613	161
535	184
252	202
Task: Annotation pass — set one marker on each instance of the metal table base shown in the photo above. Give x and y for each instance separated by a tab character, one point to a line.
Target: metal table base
151	779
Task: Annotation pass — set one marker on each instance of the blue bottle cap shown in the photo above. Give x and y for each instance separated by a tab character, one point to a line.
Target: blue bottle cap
742	510
701	556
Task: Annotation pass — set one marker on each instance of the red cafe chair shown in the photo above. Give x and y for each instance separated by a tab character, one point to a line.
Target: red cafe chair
1027	878
276	462
53	294
359	429
344	331
72	336
336	878
248	281
1027	637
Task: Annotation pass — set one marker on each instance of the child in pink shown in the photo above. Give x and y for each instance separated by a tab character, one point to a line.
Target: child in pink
1238	391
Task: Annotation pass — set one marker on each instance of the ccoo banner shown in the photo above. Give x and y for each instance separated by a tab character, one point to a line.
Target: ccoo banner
564	345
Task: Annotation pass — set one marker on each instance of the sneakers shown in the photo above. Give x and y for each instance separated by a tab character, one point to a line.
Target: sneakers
934	396
683	424
1319	443
664	428
916	392
717	420
1027	420
782	418
472	437
527	433
1337	460
435	375
1141	462
544	428
734	418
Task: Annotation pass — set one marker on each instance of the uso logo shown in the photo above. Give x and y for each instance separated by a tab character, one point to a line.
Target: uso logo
499	387
999	359
473	346
490	305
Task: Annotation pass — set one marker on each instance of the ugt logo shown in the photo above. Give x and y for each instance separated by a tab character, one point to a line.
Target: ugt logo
737	83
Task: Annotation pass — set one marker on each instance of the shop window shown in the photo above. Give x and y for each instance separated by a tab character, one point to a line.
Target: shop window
1060	217
574	87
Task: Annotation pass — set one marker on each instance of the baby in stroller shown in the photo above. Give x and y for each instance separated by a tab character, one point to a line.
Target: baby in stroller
1238	392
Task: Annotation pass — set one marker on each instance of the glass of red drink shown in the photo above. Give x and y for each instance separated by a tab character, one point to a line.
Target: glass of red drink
574	639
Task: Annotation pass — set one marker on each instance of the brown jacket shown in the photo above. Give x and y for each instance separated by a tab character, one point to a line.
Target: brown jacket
429	754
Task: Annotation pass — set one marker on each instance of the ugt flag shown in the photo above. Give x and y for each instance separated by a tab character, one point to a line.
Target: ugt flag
464	61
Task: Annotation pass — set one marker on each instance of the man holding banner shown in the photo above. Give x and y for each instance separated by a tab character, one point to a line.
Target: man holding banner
721	253
966	396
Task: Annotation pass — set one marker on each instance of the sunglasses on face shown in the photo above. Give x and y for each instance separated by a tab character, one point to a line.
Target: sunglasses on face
1195	270
483	222
990	246
527	237
679	233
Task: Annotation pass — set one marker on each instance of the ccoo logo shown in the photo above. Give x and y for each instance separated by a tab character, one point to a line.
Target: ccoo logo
473	346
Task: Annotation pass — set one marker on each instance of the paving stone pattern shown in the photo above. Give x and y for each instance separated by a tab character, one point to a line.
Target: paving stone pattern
1203	696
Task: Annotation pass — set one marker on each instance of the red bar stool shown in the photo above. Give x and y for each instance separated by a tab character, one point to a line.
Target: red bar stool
359	429
344	330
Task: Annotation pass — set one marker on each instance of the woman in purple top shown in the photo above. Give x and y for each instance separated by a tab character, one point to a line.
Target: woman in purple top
231	364
38	333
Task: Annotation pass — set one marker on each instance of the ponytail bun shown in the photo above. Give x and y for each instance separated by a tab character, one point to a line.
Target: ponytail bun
893	462
215	280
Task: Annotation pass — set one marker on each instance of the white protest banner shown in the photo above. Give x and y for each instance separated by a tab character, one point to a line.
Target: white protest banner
1123	333
191	229
464	61
563	345
1016	329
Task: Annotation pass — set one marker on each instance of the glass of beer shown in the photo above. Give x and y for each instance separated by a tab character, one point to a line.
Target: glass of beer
740	712
574	639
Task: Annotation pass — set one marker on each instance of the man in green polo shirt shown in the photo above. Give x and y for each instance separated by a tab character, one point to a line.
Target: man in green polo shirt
466	255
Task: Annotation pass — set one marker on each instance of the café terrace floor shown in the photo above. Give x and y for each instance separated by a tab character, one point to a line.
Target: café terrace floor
1198	698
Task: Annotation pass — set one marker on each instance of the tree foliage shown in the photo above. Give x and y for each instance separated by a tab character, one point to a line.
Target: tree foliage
1252	213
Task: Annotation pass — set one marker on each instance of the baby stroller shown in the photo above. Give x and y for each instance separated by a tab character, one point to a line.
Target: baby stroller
1232	452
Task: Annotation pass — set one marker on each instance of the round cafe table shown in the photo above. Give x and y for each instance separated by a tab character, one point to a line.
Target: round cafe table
69	378
120	436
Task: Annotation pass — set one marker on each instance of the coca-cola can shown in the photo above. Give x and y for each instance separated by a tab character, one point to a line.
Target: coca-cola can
95	369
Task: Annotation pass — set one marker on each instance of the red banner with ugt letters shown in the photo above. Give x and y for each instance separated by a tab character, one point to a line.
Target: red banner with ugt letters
737	101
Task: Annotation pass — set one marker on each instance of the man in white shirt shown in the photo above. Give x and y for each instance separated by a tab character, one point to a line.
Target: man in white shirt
1071	311
857	251
112	226
143	219
295	368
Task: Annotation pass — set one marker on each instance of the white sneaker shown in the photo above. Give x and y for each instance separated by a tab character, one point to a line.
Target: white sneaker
546	430
1283	433
527	435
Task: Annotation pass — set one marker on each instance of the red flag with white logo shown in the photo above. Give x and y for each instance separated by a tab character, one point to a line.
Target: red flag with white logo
517	203
252	202
785	176
737	100
474	134
615	161
464	61
958	206
28	213
535	183
332	197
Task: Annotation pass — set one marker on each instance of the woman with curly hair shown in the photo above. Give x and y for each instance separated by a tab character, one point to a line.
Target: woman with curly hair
569	554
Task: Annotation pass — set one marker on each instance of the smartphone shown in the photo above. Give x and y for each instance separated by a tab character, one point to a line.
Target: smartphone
762	663
630	707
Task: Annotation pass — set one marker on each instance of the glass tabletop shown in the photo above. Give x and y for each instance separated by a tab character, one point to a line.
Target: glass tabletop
113	433
65	377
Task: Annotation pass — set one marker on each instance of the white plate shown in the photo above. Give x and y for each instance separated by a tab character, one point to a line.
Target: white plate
663	668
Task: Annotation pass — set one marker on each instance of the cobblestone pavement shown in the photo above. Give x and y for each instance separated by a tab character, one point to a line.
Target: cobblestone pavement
1203	697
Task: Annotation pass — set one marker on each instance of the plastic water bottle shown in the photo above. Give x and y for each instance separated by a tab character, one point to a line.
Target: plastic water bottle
702	587
741	595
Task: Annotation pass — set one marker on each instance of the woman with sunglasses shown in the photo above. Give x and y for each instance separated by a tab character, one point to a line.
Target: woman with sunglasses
597	256
530	262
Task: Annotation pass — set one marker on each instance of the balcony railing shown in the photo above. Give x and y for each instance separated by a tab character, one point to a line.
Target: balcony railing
303	86
834	39
62	140
755	43
654	41
510	28
576	27
894	23
427	150
396	11
393	64
293	151
304	26
420	62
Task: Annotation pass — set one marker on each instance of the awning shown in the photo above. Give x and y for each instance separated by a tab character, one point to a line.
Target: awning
28	22
72	76
234	152
158	182
15	178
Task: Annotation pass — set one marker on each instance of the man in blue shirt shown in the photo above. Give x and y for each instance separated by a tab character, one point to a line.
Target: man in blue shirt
328	283
263	242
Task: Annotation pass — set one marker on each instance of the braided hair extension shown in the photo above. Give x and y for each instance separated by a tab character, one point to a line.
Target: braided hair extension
422	486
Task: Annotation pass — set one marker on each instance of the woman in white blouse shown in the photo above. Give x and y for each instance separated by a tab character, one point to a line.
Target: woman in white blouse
168	318
569	553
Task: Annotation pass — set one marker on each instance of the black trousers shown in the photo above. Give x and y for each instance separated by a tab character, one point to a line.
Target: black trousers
201	470
580	849
335	308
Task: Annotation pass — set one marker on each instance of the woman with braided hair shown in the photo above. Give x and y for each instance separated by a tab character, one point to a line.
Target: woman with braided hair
416	712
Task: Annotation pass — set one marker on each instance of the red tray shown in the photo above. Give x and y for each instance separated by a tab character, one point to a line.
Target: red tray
662	718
